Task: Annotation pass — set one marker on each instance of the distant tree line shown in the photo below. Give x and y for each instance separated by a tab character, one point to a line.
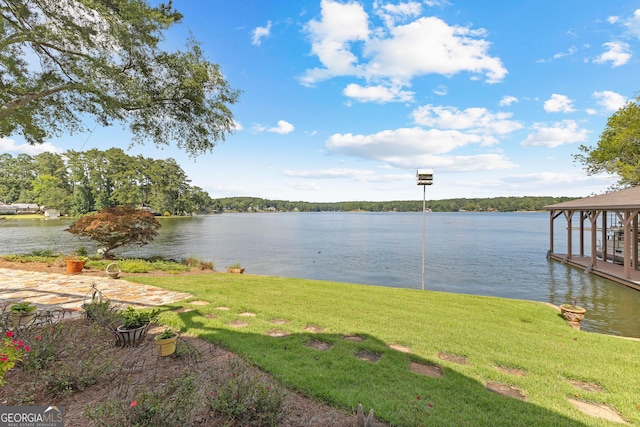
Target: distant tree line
496	204
78	182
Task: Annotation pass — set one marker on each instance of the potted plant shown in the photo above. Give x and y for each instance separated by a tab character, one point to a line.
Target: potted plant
75	263
22	313
166	342
235	268
572	312
135	324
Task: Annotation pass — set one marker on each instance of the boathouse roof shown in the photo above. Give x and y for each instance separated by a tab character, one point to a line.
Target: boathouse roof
628	198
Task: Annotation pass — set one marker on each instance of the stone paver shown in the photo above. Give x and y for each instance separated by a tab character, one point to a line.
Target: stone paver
48	290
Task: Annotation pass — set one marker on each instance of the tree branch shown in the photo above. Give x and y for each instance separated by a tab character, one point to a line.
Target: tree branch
10	106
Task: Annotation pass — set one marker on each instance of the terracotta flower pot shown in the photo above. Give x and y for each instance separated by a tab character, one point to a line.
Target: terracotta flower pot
74	266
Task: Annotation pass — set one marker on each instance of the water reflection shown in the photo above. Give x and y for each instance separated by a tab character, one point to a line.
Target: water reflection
611	307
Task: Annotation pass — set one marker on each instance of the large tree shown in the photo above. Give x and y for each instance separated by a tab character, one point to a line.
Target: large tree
116	227
61	60
618	150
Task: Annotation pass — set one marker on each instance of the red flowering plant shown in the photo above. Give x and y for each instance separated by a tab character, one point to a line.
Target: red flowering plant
11	351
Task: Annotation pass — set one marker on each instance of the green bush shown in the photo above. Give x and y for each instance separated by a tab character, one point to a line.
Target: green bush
173	405
243	399
194	262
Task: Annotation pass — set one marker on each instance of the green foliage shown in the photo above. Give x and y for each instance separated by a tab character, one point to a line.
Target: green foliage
103	313
23	307
169	406
141	265
618	148
116	227
100	179
48	258
62	62
194	262
243	399
136	318
167	333
11	352
126	265
45	253
57	366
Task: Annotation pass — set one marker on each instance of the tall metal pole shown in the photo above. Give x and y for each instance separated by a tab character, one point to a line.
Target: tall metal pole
425	177
424	196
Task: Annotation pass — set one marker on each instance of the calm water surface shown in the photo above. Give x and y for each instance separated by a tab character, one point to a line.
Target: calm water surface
493	254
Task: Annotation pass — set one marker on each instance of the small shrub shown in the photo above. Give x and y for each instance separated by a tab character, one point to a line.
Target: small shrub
173	405
45	253
71	376
11	352
103	313
45	348
185	350
242	398
46	256
82	251
59	366
194	262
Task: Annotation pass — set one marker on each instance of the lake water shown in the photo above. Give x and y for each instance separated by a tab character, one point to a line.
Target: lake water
493	254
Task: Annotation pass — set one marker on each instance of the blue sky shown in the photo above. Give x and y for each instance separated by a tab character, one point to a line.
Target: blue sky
345	100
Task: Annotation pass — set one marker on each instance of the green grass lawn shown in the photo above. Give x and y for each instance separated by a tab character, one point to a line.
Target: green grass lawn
488	332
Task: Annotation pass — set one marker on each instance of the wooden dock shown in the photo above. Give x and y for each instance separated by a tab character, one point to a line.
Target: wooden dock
608	270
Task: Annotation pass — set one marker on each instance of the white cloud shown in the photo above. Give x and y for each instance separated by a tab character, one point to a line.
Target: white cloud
558	104
617	53
378	93
430	46
260	33
611	101
393	13
436	3
441	90
633	24
399	142
332	173
283	128
561	133
357	175
416	147
9	146
348	44
480	162
508	100
340	25
475	120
